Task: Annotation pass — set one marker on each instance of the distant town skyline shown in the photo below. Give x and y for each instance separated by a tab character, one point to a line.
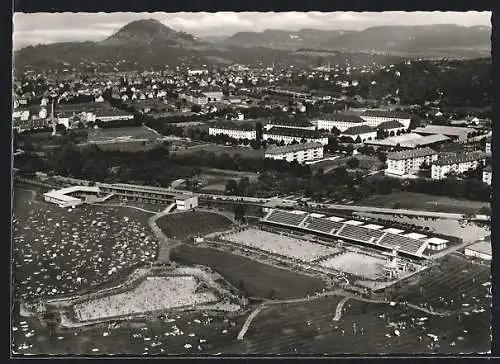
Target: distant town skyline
45	28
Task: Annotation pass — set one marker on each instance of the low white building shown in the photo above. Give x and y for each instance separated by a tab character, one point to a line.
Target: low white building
242	131
213	94
363	132
458	163
487	175
376	117
487	148
340	121
186	202
301	152
106	115
63	197
289	135
408	162
481	250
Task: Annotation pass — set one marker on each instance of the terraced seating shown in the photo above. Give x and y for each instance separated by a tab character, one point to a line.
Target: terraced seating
359	233
286	218
406	244
321	224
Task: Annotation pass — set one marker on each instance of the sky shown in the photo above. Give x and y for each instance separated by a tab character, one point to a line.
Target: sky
44	28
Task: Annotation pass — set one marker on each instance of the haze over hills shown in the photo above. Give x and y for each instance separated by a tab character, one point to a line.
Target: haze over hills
150	44
399	39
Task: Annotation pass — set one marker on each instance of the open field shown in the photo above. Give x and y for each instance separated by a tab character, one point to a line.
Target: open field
152	294
258	279
59	251
421	201
365	163
453	284
183	225
280	245
358	264
245	152
125	133
128	146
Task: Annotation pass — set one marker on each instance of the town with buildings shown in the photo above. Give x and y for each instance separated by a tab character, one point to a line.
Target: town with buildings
211	203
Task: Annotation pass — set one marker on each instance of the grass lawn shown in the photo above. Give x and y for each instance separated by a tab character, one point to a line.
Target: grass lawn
420	201
132	132
258	278
244	152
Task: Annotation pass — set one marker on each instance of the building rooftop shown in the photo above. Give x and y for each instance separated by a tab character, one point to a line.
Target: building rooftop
351	118
444	130
234	126
415	153
391	124
293	148
359	129
290	122
448	159
481	247
387	114
292	132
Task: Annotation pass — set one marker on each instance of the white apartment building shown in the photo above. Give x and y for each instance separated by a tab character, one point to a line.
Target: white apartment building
458	163
305	125
234	131
194	97
487	175
364	132
340	121
289	135
487	148
112	115
375	117
409	161
296	152
213	94
186	202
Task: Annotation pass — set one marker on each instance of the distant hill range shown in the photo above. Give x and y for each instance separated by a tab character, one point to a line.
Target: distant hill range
149	44
434	40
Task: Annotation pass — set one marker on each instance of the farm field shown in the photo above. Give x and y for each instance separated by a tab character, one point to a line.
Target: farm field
244	152
421	201
258	279
280	245
309	328
453	284
152	294
357	264
57	251
183	225
132	132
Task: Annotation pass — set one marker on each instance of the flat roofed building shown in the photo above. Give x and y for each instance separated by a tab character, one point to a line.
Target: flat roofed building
394	231
289	135
454	132
408	162
236	131
458	163
410	141
340	121
481	250
301	152
436	244
112	115
63	199
376	117
186	202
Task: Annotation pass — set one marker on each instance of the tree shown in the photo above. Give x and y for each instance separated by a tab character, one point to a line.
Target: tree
335	131
333	144
231	187
391	133
358	140
353	163
258	130
195	108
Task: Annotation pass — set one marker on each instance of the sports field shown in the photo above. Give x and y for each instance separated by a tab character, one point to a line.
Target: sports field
152	294
280	244
358	264
421	201
257	279
125	133
182	225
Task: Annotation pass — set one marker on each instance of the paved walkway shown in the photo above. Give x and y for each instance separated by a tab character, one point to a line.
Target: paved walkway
338	310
